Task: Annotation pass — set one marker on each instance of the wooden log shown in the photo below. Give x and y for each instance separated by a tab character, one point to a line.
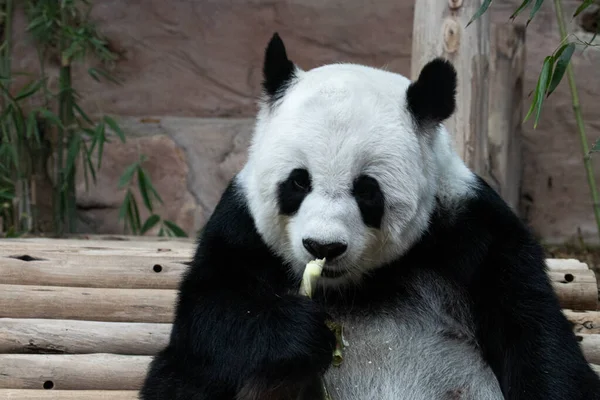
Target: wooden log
468	50
85	337
576	288
109	271
46	336
118	241
73	372
73	269
76	372
31	394
38	247
92	304
507	70
584	321
590	345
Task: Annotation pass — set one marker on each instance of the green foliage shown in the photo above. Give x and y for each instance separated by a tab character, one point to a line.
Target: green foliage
129	211
553	66
596	147
480	12
60	28
583	7
553	69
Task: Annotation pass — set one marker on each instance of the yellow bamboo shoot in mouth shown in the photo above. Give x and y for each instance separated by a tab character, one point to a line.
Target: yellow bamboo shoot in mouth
312	272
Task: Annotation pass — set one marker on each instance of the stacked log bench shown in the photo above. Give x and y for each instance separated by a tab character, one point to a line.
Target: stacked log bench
81	319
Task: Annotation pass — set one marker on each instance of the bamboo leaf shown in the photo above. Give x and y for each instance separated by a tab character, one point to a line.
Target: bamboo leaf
535	100
100	151
128	174
150	223
88	160
29	90
534	10
35	23
144	189
85	174
97	73
175	228
50	116
101	138
72	152
82	113
124	206
135	212
150	186
6	195
115	127
542	86
479	13
94	74
32	127
521	8
563	58
583	6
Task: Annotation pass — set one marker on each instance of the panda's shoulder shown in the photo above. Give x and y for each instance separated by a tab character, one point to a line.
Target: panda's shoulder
229	243
481	232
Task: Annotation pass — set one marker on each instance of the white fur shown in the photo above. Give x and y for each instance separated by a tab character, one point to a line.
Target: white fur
339	121
415	350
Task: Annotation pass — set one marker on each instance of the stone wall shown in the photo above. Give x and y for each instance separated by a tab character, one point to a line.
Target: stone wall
191	72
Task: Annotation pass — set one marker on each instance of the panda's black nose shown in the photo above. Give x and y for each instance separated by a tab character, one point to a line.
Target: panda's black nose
324	250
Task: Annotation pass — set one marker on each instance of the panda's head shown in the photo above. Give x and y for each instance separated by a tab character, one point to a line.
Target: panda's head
347	161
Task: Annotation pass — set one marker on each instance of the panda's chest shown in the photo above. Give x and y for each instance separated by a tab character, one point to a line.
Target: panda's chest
408	352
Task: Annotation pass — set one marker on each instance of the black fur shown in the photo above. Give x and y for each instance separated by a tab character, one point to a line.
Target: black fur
236	328
431	98
370	200
278	70
292	191
238	331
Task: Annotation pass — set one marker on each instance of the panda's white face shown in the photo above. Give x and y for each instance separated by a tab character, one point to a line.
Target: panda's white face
339	168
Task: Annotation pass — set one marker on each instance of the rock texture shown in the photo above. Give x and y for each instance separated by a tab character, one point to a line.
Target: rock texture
190	161
202	59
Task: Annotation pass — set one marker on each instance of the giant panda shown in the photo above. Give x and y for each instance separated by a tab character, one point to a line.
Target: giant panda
441	290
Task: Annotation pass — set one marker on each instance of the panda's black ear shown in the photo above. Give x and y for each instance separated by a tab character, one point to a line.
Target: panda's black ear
278	70
432	97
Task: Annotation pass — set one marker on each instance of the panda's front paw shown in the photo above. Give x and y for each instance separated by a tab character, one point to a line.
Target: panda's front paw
307	343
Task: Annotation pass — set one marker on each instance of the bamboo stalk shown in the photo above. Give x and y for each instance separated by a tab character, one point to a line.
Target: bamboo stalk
61	193
579	119
8	39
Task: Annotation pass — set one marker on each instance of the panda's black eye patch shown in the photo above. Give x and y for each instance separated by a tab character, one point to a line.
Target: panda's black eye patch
293	190
370	200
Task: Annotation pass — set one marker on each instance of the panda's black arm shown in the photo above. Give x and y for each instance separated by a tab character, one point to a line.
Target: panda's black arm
524	336
234	315
520	327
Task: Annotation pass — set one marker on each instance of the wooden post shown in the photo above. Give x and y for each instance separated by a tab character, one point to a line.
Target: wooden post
439	29
507	70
